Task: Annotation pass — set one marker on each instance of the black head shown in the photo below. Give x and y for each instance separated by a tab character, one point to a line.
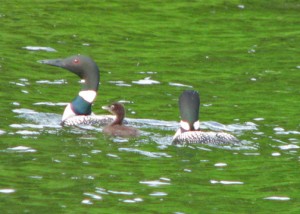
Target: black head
189	102
82	66
116	109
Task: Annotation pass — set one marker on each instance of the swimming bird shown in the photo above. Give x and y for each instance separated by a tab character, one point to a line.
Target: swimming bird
116	128
79	111
189	131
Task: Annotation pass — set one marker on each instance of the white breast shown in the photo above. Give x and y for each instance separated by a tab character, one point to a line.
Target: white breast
68	112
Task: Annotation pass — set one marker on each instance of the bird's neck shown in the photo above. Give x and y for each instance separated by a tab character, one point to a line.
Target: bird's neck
118	120
88	95
91	81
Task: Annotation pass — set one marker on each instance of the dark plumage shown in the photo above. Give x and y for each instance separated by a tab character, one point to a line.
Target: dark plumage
116	128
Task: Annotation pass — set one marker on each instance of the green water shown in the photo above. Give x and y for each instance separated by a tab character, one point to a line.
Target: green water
243	58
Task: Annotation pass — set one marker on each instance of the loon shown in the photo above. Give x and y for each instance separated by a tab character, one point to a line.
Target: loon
79	111
116	128
189	131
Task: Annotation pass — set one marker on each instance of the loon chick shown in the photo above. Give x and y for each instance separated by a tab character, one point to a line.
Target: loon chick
189	131
79	111
116	128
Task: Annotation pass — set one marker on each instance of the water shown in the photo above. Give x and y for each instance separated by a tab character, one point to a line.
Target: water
241	56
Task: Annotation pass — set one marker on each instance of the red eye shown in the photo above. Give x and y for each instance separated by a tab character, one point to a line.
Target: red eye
76	61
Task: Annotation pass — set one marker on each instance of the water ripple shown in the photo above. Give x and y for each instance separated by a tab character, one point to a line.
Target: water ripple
43	120
120	83
156	183
226	182
158	194
120	192
179	85
27	132
146	81
113	156
51	119
21	149
146	153
281	131
101	190
278	198
49	104
26	125
54	82
93	196
133	200
86	201
7	191
289	146
220	164
39	48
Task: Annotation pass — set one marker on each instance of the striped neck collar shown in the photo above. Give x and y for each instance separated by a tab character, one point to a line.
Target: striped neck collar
190	127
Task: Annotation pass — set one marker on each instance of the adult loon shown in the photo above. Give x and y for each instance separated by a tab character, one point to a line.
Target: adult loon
116	128
79	111
189	131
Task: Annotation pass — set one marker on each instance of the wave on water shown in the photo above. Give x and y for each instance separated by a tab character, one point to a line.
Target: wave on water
41	122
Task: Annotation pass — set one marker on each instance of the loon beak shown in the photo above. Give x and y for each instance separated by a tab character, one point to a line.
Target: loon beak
53	62
105	108
108	108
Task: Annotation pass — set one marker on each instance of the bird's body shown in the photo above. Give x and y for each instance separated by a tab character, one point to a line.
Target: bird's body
189	131
120	131
116	128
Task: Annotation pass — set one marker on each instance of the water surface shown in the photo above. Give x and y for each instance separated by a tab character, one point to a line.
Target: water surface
243	58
